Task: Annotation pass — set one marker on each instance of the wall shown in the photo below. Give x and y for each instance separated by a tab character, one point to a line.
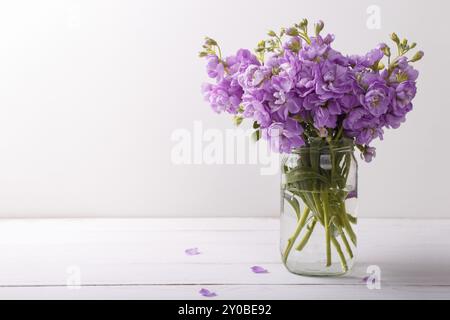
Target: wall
92	91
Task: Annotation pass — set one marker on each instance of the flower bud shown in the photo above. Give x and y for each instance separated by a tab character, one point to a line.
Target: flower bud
304	23
271	33
319	27
387	51
237	120
395	38
210	42
417	56
293	32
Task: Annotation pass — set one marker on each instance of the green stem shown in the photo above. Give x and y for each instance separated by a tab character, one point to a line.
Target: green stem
341	254
301	223
308	233
318	206
346	244
347	225
339	133
326	222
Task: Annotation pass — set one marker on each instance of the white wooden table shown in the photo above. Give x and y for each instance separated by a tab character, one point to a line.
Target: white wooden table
145	259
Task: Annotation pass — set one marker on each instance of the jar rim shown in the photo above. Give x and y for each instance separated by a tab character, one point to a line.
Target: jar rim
322	145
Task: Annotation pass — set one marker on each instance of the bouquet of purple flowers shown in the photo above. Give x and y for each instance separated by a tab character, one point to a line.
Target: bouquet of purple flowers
307	89
301	93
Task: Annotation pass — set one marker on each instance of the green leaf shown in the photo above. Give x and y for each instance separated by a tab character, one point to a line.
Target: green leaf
352	219
256	135
303	174
237	120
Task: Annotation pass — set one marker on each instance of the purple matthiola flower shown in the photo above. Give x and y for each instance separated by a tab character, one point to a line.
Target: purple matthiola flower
324	114
215	68
369	153
311	84
394	120
348	102
375	95
368	60
257	110
377	99
252	77
404	94
224	96
402	80
363	126
332	81
284	102
284	136
318	47
402	72
241	61
306	80
327	116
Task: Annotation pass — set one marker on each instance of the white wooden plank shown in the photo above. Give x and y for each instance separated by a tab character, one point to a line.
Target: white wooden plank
144	224
238	292
151	251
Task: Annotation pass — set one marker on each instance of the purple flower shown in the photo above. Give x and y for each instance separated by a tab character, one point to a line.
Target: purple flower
404	94
395	119
252	77
348	102
368	60
224	96
293	43
192	251
377	96
402	72
317	48
241	61
215	68
310	86
306	80
363	126
323	117
207	293
332	81
323	114
284	136
258	269
369	153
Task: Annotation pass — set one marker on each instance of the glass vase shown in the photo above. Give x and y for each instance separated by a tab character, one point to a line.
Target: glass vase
318	208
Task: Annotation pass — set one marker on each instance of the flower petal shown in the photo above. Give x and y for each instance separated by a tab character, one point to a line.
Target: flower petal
206	293
192	251
258	269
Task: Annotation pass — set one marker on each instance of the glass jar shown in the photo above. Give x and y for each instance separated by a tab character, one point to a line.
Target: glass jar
318	208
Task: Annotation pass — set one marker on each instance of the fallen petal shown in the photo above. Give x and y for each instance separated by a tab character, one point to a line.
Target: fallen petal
258	269
192	251
366	279
206	293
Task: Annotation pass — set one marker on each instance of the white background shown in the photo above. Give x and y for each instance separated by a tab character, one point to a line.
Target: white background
91	92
